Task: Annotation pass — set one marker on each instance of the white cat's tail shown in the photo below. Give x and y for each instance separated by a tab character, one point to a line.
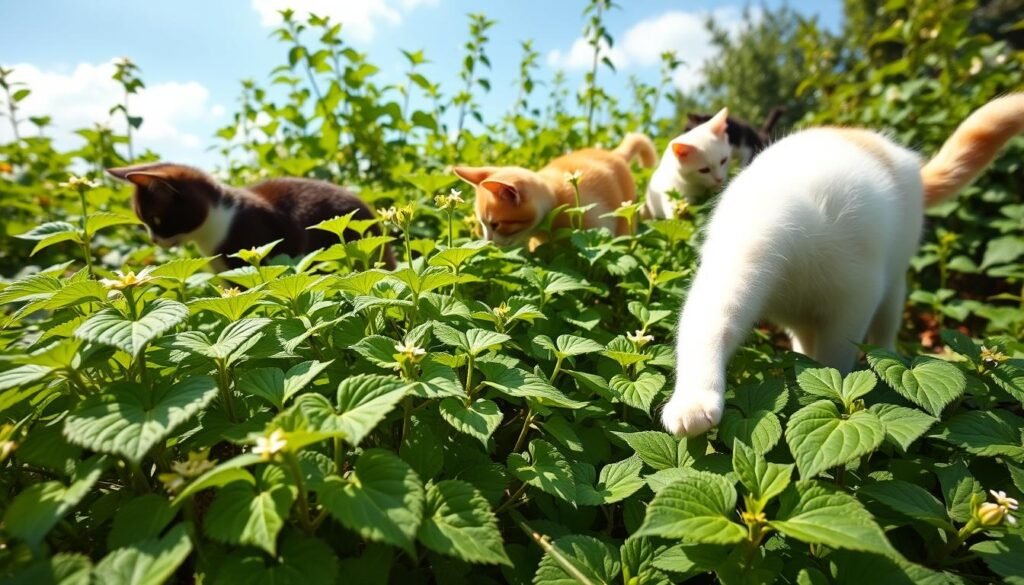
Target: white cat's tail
636	145
972	147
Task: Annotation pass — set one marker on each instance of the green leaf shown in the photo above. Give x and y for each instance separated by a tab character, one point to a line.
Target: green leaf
39	507
655	448
382	499
823	382
150	562
479	419
617	482
1004	556
1009	376
816	513
363	401
77	293
111	327
902	425
546	469
929	383
699	509
910	500
230	346
140	518
251	513
51	233
100	220
234	307
639	393
256	254
129	419
23	375
959	489
180	269
60	569
962	344
302	560
378	350
820	438
456	257
985	433
761	429
275	386
597	561
230	471
522	384
571	345
458	522
763	480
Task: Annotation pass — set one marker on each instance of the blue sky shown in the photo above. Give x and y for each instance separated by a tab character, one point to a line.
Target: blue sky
194	52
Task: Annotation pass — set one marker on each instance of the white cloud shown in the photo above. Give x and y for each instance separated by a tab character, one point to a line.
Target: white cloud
174	113
360	17
644	42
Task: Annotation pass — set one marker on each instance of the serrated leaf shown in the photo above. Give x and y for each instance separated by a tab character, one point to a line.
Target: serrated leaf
762	479
638	393
180	269
816	513
234	307
456	257
100	220
597	561
1005	557
928	382
458	522
129	419
60	569
823	382
657	449
1009	376
150	562
275	386
902	425
699	509
382	499
39	507
571	345
985	433
910	500
302	560
251	513
546	469
616	482
479	419
522	384
820	438
111	327
140	518
363	401
761	429
227	472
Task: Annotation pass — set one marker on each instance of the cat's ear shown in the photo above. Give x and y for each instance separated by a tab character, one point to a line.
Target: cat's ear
503	190
719	122
474	175
143	175
682	150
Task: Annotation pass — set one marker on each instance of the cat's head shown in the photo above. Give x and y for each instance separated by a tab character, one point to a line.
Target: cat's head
510	201
172	200
703	152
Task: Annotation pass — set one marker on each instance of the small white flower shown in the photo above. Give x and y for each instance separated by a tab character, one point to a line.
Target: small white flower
77	183
976	65
267	447
455	196
1001	59
638	338
127	279
410	351
573	178
1003	500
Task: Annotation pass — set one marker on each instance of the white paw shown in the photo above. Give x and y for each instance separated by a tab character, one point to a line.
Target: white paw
694	412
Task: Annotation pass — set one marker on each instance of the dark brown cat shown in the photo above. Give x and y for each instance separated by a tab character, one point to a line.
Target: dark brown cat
180	204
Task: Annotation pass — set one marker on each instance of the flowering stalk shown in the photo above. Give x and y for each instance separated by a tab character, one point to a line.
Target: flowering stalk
573	179
80	185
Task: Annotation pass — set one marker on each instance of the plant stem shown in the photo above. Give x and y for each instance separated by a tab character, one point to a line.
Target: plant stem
225	390
527	421
86	237
511	499
293	467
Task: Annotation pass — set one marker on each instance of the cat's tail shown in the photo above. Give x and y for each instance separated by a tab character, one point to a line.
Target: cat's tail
636	145
972	147
773	118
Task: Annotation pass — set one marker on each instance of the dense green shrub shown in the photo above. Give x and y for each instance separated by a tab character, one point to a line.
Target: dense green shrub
488	415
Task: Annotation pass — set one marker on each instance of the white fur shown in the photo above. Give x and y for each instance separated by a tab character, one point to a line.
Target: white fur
686	179
210	234
815	235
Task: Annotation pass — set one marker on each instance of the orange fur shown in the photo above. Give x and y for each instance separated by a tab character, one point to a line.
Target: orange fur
973	145
511	201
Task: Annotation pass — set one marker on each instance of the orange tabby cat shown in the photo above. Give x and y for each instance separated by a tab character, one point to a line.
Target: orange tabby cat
511	201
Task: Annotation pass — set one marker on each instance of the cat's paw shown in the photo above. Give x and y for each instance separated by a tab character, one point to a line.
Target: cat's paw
692	413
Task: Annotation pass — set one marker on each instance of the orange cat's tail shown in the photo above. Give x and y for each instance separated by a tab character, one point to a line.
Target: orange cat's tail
636	145
972	147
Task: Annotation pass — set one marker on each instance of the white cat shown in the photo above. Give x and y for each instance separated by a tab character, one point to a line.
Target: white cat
693	164
816	236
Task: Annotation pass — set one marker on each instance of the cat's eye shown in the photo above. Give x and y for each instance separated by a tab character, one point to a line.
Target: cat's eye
704	170
494	225
723	160
156	220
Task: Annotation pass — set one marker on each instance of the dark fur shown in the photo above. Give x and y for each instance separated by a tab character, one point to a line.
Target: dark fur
282	209
741	133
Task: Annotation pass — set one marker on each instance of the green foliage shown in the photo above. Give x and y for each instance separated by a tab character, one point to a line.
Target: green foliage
335	422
